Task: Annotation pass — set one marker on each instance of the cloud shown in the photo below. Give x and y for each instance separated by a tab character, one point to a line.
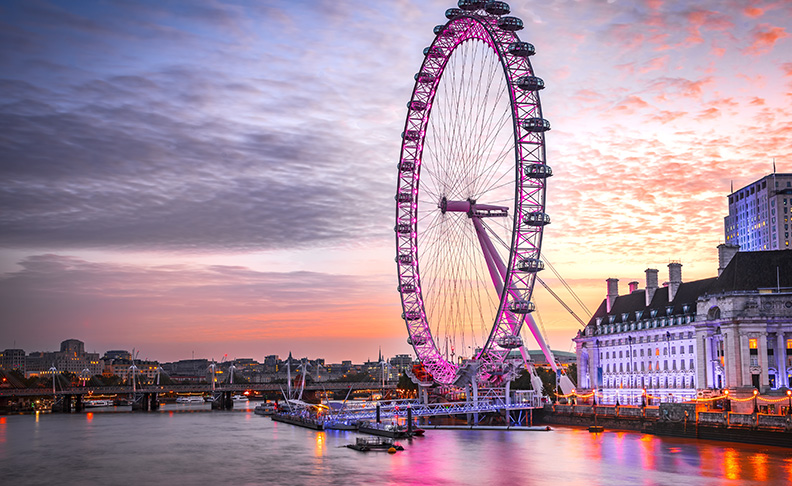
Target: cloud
764	38
167	309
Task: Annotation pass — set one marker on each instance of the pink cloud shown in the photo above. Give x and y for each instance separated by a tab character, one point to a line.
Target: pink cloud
753	12
709	113
787	67
656	64
756	101
765	37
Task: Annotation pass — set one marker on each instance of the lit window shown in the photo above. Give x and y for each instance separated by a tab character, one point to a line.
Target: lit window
752	343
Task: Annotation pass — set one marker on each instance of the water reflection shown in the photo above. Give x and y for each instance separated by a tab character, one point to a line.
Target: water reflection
171	448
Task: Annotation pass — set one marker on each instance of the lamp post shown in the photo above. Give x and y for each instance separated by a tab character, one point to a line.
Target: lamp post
755	394
789	407
632	367
643	398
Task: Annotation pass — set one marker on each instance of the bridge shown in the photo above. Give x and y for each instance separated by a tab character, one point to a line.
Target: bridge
189	388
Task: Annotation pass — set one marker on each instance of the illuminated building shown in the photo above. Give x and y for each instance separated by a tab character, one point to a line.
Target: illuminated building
71	358
760	213
12	359
730	331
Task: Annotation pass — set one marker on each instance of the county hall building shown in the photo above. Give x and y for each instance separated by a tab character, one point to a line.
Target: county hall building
679	339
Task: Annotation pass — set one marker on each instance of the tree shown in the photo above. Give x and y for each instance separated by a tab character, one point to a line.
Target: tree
405	383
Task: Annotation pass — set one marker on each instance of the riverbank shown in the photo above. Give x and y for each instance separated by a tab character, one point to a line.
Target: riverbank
676	420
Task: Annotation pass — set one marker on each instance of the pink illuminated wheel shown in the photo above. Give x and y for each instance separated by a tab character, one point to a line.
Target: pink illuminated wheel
470	200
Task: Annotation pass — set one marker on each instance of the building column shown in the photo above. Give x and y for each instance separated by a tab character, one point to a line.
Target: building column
701	358
780	354
764	379
709	368
745	360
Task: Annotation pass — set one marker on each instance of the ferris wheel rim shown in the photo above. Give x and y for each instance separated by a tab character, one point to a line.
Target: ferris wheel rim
525	243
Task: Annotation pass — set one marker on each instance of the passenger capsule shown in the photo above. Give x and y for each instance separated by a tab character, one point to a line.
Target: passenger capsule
411	135
425	78
521	307
411	316
530	83
416	105
471	5
404	197
407	288
497	8
443	32
530	265
512	24
536	125
404	259
538	171
510	341
406	166
521	49
537	218
402	228
434	53
453	13
416	341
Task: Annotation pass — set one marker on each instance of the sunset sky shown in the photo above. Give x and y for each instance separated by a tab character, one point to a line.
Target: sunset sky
218	177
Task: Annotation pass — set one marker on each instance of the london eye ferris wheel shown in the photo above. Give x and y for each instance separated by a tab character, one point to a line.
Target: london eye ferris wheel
470	200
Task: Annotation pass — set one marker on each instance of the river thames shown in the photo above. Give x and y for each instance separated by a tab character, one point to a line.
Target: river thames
189	445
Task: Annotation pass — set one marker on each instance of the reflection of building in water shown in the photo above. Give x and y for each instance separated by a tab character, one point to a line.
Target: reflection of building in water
730	331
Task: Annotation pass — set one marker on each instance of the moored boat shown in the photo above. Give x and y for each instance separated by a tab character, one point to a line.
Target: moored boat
98	403
375	444
190	399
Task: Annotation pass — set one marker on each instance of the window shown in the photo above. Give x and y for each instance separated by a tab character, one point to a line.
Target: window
657	351
621	354
690	349
673	349
621	366
665	364
682	364
691	364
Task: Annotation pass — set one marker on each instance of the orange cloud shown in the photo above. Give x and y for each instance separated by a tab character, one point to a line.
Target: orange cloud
764	38
753	12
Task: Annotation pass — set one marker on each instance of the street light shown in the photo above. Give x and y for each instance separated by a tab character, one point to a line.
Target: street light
789	407
755	394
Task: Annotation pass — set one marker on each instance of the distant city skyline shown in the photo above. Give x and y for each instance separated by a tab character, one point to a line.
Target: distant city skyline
218	178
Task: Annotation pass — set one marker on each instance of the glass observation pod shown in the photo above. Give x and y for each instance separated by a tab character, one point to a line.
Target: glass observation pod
512	24
453	13
521	49
522	306
530	265
510	341
411	316
407	165
537	218
471	5
536	125
417	341
424	77
434	52
404	259
403	197
402	228
407	288
497	8
530	83
411	135
538	171
443	32
416	105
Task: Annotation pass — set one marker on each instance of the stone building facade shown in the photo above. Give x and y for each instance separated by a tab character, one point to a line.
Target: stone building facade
676	340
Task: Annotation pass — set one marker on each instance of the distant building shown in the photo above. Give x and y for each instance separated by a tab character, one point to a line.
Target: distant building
12	359
759	214
116	354
730	331
187	370
71	358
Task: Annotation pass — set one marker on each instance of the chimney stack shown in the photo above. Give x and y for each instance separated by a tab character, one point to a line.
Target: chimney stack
633	286
674	279
613	292
725	254
651	284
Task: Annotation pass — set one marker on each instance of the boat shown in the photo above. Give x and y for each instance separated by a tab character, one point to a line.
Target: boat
595	429
190	399
366	444
98	403
239	398
339	425
265	409
307	422
392	431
